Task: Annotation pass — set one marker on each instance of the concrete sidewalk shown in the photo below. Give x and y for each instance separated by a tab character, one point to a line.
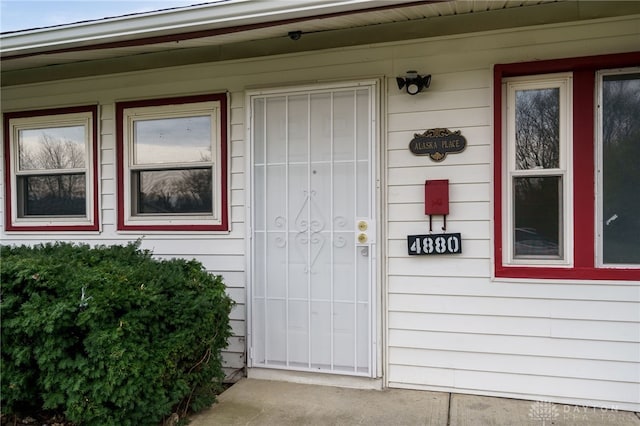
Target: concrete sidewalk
263	402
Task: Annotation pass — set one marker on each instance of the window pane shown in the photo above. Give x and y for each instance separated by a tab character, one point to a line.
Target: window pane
49	195
174	191
537	129
172	140
620	169
537	210
52	148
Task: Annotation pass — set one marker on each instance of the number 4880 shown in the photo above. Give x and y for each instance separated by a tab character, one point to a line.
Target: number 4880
434	244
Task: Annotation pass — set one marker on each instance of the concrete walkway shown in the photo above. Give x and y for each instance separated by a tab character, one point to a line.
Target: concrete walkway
263	402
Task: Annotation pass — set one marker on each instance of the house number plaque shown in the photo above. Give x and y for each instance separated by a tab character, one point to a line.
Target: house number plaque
434	244
437	143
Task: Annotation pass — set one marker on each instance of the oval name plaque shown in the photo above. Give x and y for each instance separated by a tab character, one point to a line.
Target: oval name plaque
437	143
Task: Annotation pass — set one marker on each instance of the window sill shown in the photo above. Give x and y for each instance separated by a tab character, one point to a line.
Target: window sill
585	273
174	228
52	227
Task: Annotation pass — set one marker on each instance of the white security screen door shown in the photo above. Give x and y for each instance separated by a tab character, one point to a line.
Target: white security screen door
313	230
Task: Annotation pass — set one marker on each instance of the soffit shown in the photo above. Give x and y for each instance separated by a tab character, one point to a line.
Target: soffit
387	21
33	56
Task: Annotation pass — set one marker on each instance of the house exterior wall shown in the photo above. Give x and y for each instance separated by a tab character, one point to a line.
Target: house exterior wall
450	326
447	324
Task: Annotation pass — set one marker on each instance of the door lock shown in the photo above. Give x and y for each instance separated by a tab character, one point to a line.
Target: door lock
365	231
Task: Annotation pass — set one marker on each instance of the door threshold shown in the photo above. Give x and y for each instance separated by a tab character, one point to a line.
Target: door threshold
322	379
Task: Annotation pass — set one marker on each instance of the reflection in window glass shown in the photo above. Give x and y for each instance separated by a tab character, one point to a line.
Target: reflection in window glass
537	211
174	191
172	140
620	168
52	195
537	128
52	148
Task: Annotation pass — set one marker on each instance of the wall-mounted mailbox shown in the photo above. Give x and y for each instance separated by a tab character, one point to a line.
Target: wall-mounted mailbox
436	197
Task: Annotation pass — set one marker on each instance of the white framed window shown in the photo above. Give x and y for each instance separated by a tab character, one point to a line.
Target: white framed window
618	179
537	182
52	164
172	164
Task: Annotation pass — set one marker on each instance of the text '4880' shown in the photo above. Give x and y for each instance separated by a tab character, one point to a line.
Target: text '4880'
434	244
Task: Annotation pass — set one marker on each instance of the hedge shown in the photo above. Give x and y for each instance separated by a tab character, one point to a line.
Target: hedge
109	335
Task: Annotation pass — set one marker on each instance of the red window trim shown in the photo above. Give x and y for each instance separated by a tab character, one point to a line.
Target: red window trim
95	215
584	71
120	166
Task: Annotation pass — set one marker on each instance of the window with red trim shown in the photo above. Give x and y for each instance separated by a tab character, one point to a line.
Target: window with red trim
51	170
172	164
566	155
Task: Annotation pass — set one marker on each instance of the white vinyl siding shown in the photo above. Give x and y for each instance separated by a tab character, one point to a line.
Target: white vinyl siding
450	326
447	324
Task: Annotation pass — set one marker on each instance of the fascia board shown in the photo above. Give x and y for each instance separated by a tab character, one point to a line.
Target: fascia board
174	21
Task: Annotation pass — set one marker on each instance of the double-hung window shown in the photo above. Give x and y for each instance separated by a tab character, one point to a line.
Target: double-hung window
51	170
172	164
567	150
538	207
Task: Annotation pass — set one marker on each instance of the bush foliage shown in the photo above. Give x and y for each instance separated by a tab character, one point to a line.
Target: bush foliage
109	335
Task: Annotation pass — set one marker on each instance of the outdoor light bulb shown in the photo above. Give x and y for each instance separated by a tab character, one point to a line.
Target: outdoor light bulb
413	87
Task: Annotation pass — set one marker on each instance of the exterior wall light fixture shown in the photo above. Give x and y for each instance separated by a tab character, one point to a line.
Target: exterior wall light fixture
413	82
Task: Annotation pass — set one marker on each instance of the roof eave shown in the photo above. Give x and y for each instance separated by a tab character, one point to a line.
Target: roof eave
221	14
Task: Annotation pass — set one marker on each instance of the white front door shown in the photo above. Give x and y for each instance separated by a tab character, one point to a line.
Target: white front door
313	229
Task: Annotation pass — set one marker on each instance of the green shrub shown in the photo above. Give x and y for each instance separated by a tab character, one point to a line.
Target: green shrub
109	335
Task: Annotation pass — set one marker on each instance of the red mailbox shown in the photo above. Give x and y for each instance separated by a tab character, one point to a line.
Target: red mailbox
436	197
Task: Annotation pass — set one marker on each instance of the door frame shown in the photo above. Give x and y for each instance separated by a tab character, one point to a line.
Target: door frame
378	301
